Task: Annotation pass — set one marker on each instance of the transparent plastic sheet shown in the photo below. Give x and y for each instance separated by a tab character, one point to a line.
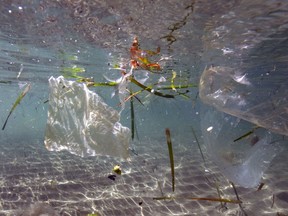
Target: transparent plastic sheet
80	122
247	96
244	161
260	99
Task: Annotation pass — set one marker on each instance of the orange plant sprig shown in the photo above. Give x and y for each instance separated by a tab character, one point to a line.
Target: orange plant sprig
139	58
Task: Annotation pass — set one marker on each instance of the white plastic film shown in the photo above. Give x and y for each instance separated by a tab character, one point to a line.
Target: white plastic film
80	122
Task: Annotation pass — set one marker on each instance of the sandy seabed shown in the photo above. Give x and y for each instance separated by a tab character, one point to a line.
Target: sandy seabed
35	181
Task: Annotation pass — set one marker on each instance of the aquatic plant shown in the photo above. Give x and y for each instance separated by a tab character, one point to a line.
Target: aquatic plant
238	198
169	143
222	203
199	199
246	134
140	59
18	100
199	147
211	199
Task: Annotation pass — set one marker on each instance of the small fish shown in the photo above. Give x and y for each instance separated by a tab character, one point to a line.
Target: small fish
18	100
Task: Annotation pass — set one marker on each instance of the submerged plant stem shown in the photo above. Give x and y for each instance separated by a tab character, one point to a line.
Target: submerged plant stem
95	84
246	134
235	191
132	116
149	89
18	100
169	143
199	198
199	147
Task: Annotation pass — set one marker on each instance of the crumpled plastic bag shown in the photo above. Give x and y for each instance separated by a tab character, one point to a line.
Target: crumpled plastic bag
244	161
80	122
262	100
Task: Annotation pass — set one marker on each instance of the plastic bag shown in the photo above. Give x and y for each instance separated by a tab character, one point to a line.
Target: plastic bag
244	161
262	100
80	122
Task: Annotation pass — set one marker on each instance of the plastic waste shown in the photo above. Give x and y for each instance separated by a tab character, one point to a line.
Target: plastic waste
262	100
243	161
241	152
80	122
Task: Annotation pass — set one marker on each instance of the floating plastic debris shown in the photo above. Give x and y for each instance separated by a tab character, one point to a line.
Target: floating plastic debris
80	122
241	162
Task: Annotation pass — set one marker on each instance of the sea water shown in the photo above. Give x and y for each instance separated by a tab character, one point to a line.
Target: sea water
40	39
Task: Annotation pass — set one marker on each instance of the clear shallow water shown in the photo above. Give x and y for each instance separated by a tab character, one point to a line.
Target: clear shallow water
39	39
